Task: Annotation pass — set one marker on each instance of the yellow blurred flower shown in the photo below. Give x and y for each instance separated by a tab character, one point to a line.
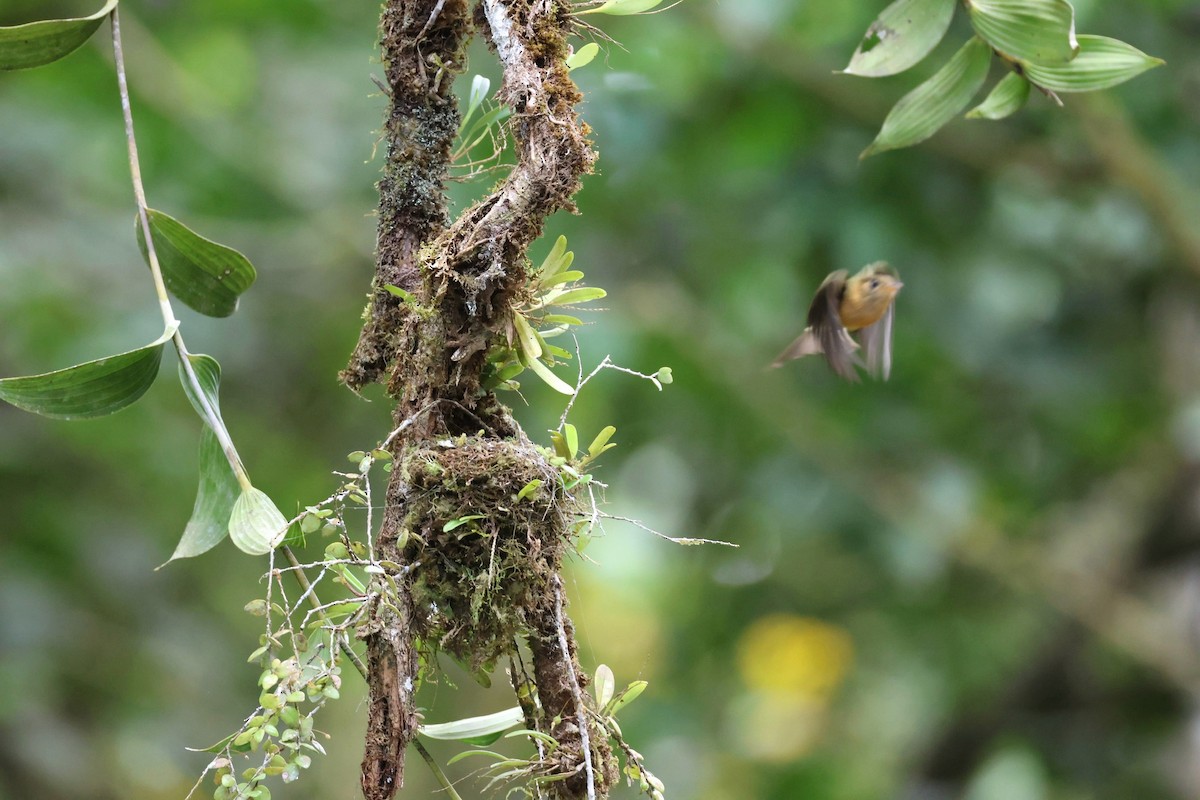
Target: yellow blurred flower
788	654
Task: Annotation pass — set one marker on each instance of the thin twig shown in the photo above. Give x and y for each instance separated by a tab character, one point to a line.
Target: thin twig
585	741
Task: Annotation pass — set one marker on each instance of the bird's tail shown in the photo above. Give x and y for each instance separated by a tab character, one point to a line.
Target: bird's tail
806	344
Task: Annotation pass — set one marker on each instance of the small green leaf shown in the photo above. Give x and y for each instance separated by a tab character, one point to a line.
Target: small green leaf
583	56
560	319
583	294
571	436
560	445
91	389
404	295
1102	63
1030	31
598	444
208	373
528	489
256	526
458	523
46	41
631	692
527	338
623	7
480	731
566	276
557	260
903	34
553	381
665	376
925	109
1007	97
214	501
207	276
605	683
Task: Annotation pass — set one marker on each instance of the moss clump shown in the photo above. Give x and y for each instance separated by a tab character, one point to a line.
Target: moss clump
481	562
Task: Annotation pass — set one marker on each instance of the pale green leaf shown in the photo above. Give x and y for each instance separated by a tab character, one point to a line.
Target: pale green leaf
403	294
527	338
46	41
528	489
92	389
1029	31
214	501
604	685
571	437
583	56
903	34
569	297
557	260
624	7
631	692
598	444
480	731
1007	97
1102	63
553	381
206	276
925	109
256	526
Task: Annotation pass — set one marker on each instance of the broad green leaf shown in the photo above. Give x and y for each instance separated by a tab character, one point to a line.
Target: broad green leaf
46	41
1102	63
903	34
1030	31
214	501
925	109
458	523
566	276
623	7
553	381
598	444
583	56
560	319
207	276
92	389
557	260
256	526
1007	97
604	686
480	731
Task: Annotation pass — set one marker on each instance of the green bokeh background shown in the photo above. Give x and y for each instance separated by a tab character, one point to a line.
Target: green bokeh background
977	580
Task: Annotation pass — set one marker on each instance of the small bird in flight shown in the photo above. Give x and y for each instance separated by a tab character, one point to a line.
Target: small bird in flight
844	304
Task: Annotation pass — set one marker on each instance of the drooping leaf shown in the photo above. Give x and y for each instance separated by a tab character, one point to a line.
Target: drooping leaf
214	501
46	41
583	56
903	34
925	109
256	526
530	344
1007	97
549	378
623	7
92	389
207	276
480	731
1029	31
208	373
1101	64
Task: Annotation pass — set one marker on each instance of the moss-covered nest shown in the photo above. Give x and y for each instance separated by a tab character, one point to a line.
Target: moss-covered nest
481	560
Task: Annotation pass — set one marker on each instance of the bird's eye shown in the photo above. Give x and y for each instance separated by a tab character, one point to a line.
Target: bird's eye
875	283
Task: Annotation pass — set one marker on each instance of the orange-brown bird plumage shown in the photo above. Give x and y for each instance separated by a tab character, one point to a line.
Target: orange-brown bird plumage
844	304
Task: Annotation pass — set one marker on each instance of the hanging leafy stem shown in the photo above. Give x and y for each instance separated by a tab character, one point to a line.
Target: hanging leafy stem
205	275
1035	39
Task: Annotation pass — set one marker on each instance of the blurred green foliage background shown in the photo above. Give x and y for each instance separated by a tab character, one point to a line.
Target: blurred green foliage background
977	580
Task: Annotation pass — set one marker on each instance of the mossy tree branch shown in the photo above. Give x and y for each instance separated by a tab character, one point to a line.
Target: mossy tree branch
473	591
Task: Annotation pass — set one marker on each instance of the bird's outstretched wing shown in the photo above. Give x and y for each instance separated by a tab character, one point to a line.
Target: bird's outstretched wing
825	322
877	340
